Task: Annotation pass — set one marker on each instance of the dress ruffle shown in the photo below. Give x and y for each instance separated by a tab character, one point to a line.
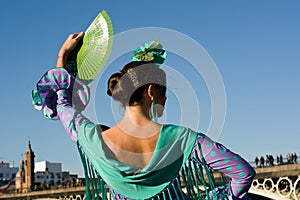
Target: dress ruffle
45	96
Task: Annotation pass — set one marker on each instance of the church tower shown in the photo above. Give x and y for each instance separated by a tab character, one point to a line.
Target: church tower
29	168
25	176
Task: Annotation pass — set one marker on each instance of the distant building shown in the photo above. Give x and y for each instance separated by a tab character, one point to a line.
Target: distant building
48	173
40	175
67	177
7	172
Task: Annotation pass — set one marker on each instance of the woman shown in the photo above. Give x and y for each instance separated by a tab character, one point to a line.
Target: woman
139	158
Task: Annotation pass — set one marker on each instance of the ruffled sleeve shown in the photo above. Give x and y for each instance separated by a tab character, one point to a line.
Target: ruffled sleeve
62	97
45	96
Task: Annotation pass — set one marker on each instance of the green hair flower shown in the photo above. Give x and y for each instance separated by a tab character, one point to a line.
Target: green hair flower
150	52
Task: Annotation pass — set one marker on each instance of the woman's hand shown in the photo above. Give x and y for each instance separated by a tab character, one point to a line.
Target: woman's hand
71	43
68	46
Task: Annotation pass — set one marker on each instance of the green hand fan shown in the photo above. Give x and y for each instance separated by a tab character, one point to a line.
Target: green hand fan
96	47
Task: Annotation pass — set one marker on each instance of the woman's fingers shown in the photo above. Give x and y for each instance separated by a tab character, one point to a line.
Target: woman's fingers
72	41
76	36
79	35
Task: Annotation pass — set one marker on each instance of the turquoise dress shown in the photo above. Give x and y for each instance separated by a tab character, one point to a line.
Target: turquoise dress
182	158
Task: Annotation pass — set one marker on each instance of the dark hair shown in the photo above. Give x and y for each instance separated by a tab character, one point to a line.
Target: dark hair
128	85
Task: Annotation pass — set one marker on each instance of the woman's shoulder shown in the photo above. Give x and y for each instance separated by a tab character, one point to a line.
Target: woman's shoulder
174	127
181	131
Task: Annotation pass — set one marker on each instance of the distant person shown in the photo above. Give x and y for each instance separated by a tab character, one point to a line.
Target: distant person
289	158
256	161
262	161
271	160
295	157
139	158
281	159
267	160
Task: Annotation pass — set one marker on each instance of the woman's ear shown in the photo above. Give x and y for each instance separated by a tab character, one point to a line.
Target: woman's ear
150	92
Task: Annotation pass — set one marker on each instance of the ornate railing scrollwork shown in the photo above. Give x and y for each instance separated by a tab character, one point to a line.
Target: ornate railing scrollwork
268	185
296	188
255	184
284	186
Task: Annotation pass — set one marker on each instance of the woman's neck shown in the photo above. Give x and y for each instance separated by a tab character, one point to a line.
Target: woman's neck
137	116
136	123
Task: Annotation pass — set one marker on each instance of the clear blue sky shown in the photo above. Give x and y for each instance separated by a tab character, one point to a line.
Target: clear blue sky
254	44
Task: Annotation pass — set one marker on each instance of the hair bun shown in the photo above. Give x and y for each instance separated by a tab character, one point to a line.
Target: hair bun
112	83
127	86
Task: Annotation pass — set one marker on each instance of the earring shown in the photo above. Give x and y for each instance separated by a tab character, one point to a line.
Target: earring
154	112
